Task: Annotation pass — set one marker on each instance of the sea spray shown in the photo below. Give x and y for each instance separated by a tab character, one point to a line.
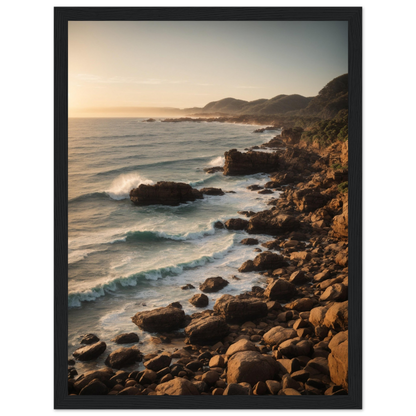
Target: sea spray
124	183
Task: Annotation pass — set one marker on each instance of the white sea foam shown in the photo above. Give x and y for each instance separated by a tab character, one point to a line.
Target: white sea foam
218	161
123	184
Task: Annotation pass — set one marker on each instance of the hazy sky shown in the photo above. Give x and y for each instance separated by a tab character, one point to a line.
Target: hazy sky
187	64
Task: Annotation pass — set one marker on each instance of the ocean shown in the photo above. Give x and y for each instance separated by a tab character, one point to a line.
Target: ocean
123	258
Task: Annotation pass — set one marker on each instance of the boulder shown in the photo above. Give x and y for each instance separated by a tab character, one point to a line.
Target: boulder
234	309
280	290
160	319
199	300
90	352
94	387
207	329
236	224
337	293
301	255
164	193
213	284
273	386
298	278
338	359
234	389
251	367
211	191
89	339
337	316
278	334
214	169
238	163
126	338
296	347
102	374
241	345
317	315
159	362
272	222
177	387
263	261
301	305
123	357
249	241
340	222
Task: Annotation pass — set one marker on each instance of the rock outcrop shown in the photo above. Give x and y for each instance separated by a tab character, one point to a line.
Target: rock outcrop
164	193
160	319
238	163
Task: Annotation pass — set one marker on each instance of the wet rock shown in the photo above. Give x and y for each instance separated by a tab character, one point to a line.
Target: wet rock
188	287
236	224
213	284
214	169
123	357
164	193
211	191
90	352
160	319
250	241
126	338
89	339
218	225
199	300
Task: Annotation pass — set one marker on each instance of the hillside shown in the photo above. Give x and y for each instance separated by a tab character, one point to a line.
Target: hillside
330	100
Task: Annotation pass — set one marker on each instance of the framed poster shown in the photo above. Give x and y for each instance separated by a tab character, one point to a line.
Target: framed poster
205	197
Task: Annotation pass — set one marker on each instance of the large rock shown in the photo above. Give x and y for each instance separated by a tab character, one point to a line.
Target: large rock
123	357
337	292
89	339
296	347
236	224
102	374
199	300
90	352
211	191
280	290
338	359
238	163
177	387
251	367
317	315
160	319
278	334
207	329
272	222
213	284
164	193
234	309
263	261
308	199
239	346
291	136
340	222
337	316
126	338
159	362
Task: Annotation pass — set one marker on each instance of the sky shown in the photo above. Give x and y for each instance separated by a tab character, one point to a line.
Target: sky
115	66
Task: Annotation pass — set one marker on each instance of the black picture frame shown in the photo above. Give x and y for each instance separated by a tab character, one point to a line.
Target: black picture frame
62	15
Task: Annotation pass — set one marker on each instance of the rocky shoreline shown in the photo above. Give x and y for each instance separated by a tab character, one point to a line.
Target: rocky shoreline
288	338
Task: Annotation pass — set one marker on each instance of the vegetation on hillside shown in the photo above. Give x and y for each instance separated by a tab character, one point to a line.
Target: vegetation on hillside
326	132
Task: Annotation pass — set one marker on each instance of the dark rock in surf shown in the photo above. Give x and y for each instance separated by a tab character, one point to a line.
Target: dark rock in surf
211	191
214	169
164	193
90	352
236	224
89	339
213	284
199	300
126	338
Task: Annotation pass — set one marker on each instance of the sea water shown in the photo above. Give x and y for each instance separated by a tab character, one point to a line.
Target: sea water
124	259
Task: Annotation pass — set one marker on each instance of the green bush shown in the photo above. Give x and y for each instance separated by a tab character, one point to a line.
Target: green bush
343	187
